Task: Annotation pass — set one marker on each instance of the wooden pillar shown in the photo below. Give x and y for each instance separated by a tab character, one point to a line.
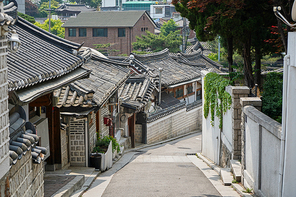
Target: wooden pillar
131	129
49	116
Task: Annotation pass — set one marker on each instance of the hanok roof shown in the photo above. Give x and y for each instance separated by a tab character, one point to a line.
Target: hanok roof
173	72
74	96
74	8
197	58
106	19
106	77
42	56
136	91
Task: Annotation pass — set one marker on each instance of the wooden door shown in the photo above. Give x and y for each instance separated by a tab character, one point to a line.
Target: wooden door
131	129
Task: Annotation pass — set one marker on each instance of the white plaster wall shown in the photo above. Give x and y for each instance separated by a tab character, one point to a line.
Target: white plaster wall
289	174
108	3
210	135
190	99
153	12
252	148
227	129
270	163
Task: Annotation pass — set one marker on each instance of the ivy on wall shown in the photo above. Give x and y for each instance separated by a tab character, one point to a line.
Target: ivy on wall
217	100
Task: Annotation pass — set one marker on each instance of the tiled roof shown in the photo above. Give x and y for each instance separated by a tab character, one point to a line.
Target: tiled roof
74	96
136	91
106	19
197	57
74	8
42	56
106	77
23	138
173	72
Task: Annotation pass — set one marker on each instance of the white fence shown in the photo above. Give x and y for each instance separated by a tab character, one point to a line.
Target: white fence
261	152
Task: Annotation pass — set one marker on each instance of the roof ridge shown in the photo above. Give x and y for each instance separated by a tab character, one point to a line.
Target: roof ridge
43	33
94	56
164	51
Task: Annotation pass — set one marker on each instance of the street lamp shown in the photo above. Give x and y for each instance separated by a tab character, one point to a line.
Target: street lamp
14	42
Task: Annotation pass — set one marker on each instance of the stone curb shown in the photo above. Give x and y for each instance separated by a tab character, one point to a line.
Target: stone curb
240	190
86	184
69	188
235	186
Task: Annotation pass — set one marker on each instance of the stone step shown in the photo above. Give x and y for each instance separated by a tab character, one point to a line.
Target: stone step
236	169
241	190
226	176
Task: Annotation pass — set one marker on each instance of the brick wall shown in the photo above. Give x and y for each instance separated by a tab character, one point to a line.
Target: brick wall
4	119
123	44
174	124
77	143
26	178
64	147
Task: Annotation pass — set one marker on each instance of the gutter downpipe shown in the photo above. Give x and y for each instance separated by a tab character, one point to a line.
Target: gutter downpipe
284	128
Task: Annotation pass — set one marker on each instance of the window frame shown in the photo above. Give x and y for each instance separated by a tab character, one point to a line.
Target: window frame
119	33
80	35
72	31
105	32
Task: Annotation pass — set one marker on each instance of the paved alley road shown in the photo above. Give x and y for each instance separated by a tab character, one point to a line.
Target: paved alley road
163	170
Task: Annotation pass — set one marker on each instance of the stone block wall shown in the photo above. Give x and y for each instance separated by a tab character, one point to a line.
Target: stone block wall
26	178
64	147
4	119
174	124
138	133
236	93
77	142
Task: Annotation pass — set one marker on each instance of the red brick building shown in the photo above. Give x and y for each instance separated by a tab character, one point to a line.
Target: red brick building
117	28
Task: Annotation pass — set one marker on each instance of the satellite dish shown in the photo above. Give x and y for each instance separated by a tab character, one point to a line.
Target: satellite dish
294	11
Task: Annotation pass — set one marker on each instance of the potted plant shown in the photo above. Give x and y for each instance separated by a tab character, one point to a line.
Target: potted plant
101	157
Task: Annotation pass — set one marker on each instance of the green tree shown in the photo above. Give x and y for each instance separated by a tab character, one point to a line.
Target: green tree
91	3
156	43
45	5
168	27
56	27
105	49
26	17
238	22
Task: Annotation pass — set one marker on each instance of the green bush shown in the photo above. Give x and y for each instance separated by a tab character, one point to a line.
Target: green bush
272	96
103	143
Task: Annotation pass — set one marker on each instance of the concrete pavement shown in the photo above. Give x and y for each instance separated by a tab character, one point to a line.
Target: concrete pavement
162	170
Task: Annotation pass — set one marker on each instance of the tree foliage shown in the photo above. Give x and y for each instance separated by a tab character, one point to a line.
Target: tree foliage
168	27
26	17
272	96
91	3
243	24
45	5
159	42
106	49
168	38
31	8
56	27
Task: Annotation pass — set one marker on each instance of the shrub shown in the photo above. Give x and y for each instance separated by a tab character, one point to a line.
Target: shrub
103	143
272	96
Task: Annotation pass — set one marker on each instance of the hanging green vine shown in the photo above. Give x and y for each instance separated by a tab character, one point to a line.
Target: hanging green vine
216	98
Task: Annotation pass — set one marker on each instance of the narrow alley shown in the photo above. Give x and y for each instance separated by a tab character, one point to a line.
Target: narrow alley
162	170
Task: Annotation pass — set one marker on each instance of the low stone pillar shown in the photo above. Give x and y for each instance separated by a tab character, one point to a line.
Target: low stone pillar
236	93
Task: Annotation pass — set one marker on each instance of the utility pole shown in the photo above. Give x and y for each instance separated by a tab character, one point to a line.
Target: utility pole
184	34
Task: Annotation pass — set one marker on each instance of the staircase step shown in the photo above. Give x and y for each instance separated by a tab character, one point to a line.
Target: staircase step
226	176
236	169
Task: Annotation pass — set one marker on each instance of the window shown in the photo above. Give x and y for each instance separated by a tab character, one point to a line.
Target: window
121	32
198	95
171	93
100	32
144	28
82	32
72	32
189	89
179	92
158	10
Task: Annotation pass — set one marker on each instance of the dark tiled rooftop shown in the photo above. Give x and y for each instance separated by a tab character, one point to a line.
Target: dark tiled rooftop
42	56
